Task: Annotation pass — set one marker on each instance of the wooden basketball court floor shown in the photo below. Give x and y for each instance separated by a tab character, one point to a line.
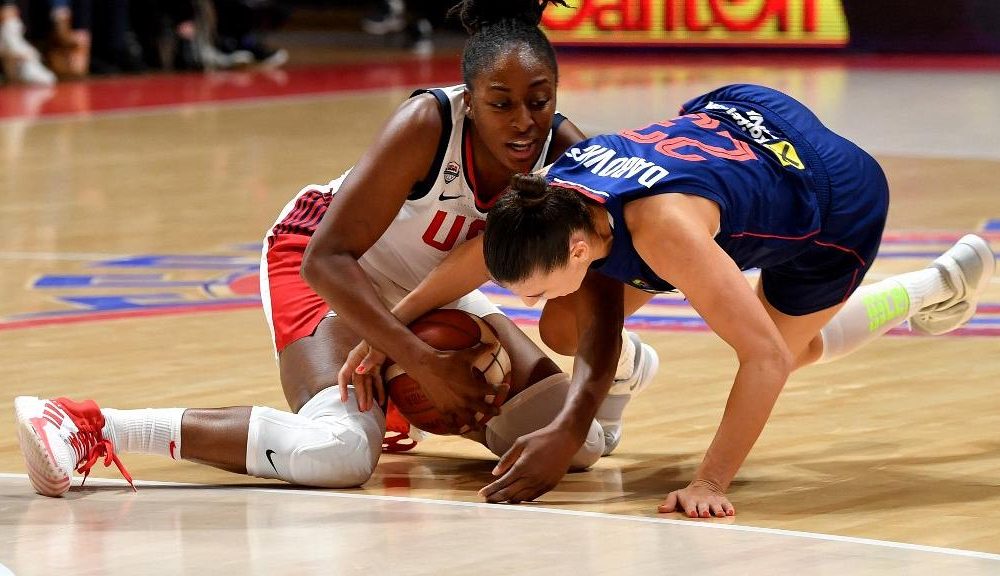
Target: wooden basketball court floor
127	274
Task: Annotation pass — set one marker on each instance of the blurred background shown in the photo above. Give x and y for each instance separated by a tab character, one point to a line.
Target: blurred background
46	41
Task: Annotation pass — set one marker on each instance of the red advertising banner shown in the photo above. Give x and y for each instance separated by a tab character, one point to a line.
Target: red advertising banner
807	23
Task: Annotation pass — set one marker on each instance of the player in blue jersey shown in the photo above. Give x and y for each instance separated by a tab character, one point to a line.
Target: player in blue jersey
746	177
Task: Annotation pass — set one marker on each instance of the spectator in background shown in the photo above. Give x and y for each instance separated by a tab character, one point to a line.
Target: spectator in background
19	59
240	25
389	18
167	34
395	16
70	40
115	48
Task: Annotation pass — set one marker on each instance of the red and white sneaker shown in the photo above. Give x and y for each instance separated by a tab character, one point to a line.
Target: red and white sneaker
58	436
400	435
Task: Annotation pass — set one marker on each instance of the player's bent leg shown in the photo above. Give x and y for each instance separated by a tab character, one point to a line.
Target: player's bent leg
799	332
311	364
637	366
558	323
936	300
535	408
528	363
328	444
542	387
638	362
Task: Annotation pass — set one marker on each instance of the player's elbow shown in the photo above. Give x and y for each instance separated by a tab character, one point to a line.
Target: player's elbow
309	269
314	263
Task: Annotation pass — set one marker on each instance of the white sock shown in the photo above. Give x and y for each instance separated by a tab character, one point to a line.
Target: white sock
146	431
610	411
626	360
875	309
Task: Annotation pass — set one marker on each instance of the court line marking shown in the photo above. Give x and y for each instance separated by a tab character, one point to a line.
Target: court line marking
561	512
248	102
57	256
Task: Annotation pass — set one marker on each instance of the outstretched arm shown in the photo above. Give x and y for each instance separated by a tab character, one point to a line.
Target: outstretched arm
464	269
538	461
461	272
674	235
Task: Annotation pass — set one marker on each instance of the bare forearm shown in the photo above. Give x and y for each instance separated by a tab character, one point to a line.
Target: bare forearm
341	282
461	272
597	354
593	374
751	400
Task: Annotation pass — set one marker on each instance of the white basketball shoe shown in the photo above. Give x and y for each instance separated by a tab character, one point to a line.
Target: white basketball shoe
609	415
58	436
20	60
968	267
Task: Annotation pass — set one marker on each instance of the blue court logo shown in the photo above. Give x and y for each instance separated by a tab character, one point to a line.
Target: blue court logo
144	285
169	284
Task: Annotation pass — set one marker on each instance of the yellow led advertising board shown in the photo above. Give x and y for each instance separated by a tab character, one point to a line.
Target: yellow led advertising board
805	23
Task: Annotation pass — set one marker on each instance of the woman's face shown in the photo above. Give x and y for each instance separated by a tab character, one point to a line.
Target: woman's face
512	103
559	282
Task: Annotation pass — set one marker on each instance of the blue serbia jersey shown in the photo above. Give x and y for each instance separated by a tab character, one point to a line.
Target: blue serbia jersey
759	170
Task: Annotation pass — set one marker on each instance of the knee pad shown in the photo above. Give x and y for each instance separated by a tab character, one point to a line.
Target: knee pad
329	444
534	408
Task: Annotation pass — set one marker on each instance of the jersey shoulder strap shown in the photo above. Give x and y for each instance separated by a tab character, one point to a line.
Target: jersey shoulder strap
422	187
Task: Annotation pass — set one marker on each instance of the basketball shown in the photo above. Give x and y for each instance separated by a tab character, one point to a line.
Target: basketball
446	330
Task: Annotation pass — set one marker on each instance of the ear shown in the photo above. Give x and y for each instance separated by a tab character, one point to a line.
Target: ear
579	250
467	101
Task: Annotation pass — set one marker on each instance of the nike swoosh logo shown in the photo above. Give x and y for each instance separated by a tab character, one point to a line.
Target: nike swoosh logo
443	197
268	454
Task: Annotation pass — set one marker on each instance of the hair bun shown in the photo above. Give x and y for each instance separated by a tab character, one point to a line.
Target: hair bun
530	189
477	14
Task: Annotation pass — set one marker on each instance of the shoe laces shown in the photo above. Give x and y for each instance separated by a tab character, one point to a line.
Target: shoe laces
396	442
90	444
397	431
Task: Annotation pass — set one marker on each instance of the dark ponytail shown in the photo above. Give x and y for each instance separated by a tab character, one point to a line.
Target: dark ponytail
529	228
476	14
529	189
496	25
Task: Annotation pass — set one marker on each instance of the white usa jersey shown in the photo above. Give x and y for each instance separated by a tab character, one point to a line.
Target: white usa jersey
441	212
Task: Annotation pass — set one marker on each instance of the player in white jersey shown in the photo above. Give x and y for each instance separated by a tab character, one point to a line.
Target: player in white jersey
361	244
441	212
